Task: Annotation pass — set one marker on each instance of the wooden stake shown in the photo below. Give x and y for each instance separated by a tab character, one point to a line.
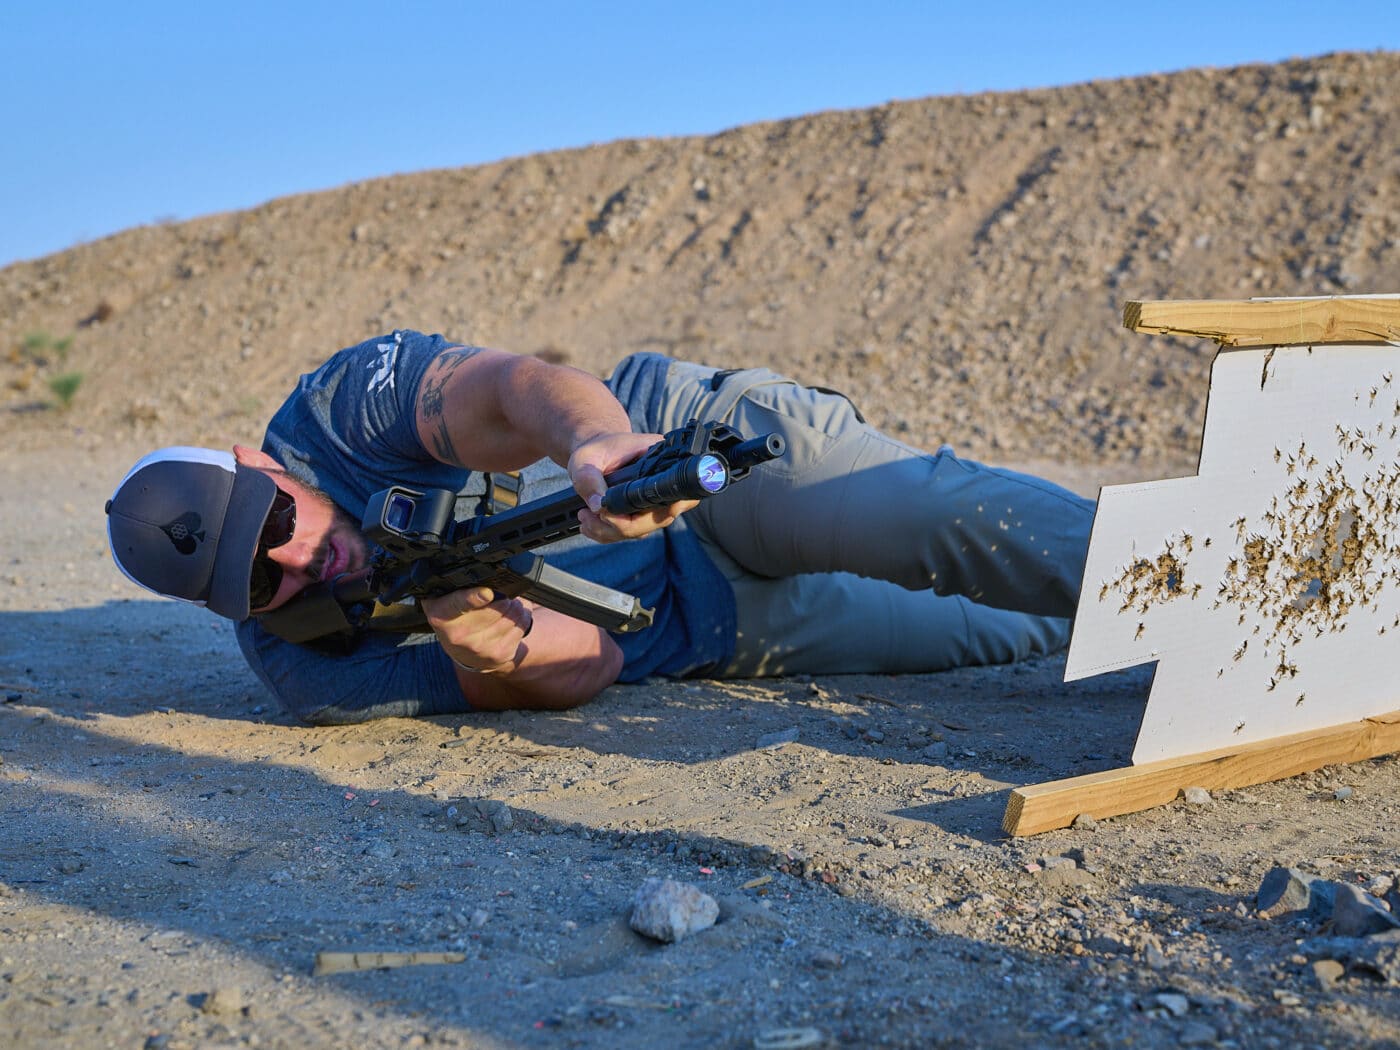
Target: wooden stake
1045	807
1271	322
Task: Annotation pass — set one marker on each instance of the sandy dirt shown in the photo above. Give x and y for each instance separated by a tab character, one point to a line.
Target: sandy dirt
176	853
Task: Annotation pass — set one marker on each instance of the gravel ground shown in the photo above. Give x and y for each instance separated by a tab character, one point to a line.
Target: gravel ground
176	853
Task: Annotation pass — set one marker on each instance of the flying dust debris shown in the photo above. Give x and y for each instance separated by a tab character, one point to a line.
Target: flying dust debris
1155	580
1323	547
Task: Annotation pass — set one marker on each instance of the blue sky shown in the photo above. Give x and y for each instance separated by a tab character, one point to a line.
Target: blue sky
116	115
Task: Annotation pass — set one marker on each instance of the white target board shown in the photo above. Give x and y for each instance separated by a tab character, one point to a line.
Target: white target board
1266	588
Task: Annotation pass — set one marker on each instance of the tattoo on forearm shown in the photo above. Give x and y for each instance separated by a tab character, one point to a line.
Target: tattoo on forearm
431	399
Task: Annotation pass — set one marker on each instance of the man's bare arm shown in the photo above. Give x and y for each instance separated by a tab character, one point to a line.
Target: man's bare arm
493	411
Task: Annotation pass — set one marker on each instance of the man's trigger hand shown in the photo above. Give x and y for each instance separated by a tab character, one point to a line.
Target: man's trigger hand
479	631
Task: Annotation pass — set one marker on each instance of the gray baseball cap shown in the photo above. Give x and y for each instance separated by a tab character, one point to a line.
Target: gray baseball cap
185	522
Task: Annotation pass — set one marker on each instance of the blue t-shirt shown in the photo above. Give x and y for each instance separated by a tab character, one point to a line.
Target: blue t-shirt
349	429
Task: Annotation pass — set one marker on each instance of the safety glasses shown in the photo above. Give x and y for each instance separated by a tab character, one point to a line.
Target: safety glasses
277	529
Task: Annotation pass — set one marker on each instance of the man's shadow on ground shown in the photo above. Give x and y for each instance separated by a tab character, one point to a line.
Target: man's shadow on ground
1010	725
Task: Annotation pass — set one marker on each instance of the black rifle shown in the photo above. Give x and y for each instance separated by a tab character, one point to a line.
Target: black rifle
422	552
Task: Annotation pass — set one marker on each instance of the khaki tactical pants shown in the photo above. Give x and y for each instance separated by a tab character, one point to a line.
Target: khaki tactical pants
857	553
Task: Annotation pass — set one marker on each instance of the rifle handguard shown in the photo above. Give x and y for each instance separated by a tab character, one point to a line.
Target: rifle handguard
423	552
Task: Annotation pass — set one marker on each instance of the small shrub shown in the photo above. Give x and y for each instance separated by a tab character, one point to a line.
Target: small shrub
65	386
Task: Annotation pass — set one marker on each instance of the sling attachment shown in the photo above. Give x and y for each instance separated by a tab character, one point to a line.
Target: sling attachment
502	492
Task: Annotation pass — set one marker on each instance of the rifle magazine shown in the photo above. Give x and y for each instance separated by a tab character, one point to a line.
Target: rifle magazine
529	576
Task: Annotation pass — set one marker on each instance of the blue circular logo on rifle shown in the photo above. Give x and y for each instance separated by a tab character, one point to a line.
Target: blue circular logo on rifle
713	474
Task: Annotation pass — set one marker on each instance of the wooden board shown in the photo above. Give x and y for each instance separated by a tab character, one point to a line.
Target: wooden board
1272	322
1045	807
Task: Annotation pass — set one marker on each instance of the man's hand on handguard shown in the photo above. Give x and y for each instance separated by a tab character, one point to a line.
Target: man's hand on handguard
599	456
479	631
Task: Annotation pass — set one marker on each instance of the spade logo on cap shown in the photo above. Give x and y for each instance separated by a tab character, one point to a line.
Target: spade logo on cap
185	532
